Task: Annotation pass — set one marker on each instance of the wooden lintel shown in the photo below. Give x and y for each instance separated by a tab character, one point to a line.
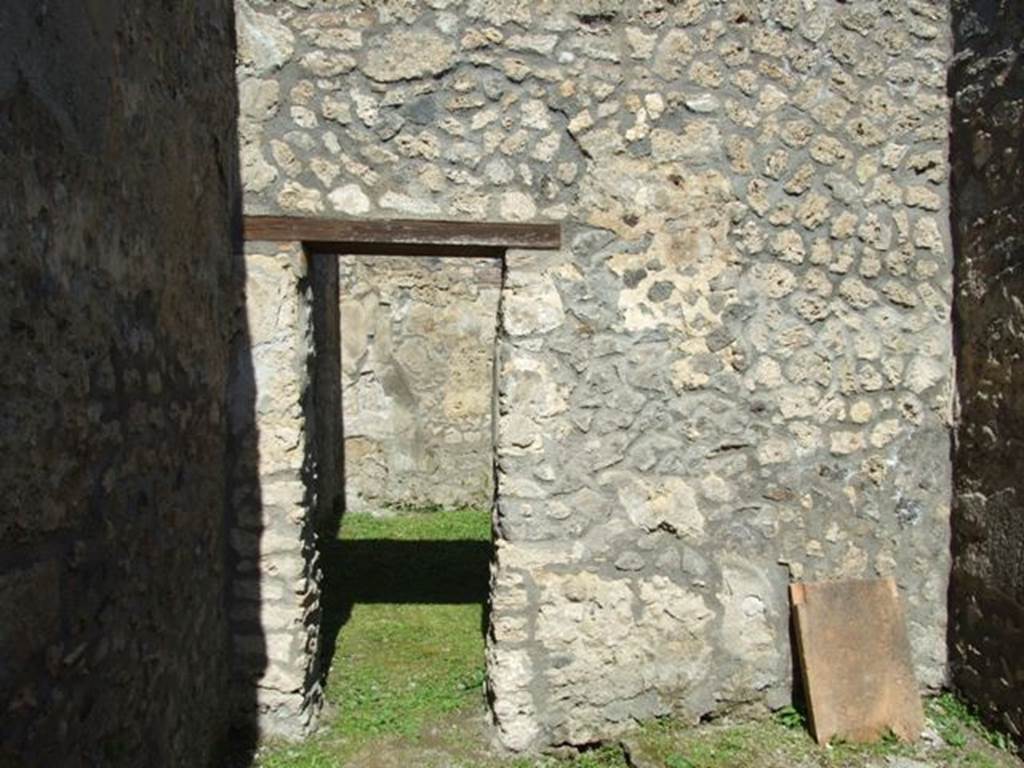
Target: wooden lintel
340	247
418	233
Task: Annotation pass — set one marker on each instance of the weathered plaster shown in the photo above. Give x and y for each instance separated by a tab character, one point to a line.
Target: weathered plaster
418	337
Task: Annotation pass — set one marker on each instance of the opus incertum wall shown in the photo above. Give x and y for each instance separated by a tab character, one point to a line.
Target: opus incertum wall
276	508
736	370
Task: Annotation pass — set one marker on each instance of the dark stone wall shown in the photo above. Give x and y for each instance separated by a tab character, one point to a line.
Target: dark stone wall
987	591
117	182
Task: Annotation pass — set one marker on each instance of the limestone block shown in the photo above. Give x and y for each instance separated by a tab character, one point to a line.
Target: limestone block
407	54
508	679
279	534
264	43
531	303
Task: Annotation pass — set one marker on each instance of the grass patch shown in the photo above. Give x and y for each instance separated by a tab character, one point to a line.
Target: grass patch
674	745
406	596
783	741
955	721
408	652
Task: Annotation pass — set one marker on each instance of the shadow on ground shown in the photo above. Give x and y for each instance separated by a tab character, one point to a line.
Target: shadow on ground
422	572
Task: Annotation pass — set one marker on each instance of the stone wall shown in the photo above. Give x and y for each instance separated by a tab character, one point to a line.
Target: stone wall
418	339
284	484
118	177
987	596
736	373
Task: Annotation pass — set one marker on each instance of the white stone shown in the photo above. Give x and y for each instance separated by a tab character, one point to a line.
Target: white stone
257	173
641	44
698	139
703	103
509	676
300	199
654	103
258	98
746	628
264	43
349	199
407	204
328	63
407	54
581	122
666	502
542	44
535	307
928	235
923	372
517	206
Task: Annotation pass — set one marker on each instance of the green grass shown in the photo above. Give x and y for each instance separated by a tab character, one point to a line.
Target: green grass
783	741
955	721
674	745
405	595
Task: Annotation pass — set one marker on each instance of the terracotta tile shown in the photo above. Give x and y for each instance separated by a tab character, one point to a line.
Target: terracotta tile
855	660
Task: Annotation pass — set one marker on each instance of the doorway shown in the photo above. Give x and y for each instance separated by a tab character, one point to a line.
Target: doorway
289	530
406	571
